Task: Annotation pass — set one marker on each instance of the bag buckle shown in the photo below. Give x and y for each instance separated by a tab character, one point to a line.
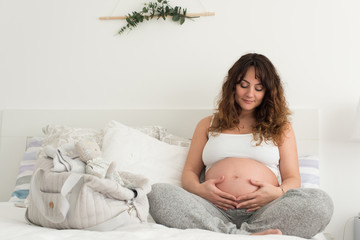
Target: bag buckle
131	206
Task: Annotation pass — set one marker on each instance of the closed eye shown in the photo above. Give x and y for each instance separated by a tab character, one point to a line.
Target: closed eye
259	87
244	83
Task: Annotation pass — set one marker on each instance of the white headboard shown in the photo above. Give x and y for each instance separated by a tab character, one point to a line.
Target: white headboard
17	125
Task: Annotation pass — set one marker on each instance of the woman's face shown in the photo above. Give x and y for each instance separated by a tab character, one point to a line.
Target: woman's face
249	91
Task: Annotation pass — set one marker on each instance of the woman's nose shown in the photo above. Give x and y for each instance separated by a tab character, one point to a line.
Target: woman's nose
250	92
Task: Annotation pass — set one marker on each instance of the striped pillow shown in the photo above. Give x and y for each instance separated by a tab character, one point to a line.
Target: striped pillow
26	169
309	171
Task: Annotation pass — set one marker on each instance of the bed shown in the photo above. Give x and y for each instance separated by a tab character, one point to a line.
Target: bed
22	134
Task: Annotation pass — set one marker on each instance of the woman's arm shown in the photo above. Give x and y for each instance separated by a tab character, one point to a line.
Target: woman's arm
289	163
194	166
289	171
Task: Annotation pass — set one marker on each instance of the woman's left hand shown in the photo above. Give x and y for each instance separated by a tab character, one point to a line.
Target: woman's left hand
264	194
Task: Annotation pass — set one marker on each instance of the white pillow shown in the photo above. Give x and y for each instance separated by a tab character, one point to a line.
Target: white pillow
172	139
136	152
57	135
309	171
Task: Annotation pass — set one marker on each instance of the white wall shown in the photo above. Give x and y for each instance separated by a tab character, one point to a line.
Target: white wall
57	54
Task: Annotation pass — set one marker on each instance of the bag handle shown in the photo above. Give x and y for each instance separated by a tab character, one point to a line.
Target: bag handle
73	182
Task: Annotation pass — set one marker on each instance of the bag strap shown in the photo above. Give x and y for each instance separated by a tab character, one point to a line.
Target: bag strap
73	182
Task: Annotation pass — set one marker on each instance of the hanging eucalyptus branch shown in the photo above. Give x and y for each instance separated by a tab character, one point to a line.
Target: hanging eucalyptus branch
159	9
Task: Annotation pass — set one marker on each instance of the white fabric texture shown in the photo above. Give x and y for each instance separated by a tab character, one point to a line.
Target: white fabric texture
309	171
65	158
172	139
13	226
99	200
136	152
57	135
223	145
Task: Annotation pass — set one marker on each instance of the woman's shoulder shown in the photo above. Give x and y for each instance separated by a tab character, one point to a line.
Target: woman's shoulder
288	128
205	122
287	132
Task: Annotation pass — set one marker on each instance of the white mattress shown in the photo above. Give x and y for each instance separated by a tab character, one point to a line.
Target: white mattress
13	226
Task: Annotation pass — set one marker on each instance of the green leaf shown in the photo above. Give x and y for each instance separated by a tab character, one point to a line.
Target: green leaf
158	8
182	20
139	17
176	17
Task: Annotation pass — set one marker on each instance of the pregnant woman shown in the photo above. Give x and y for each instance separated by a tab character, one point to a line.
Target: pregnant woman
241	175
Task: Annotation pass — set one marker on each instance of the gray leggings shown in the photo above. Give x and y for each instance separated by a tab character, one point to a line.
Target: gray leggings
300	212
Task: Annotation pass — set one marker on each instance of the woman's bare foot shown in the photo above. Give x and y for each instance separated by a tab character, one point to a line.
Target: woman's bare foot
269	231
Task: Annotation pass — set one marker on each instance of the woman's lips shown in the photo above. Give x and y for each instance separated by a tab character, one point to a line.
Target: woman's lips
248	101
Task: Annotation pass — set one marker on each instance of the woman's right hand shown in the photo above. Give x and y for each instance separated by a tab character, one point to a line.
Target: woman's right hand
194	165
212	193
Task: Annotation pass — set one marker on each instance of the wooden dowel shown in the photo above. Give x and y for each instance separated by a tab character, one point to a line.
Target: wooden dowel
203	14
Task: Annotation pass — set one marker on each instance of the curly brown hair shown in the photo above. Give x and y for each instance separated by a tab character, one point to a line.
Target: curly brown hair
271	116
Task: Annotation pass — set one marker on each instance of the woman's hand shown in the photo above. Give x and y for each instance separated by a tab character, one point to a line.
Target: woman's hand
253	201
213	194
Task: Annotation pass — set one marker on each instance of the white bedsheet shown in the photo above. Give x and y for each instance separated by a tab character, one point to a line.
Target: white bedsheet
13	226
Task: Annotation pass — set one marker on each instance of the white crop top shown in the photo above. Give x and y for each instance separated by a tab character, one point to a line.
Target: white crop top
225	145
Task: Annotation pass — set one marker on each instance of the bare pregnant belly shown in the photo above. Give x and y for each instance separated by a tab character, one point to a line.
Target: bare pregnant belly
238	172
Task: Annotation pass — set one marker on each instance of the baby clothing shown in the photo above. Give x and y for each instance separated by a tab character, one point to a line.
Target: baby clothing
65	158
